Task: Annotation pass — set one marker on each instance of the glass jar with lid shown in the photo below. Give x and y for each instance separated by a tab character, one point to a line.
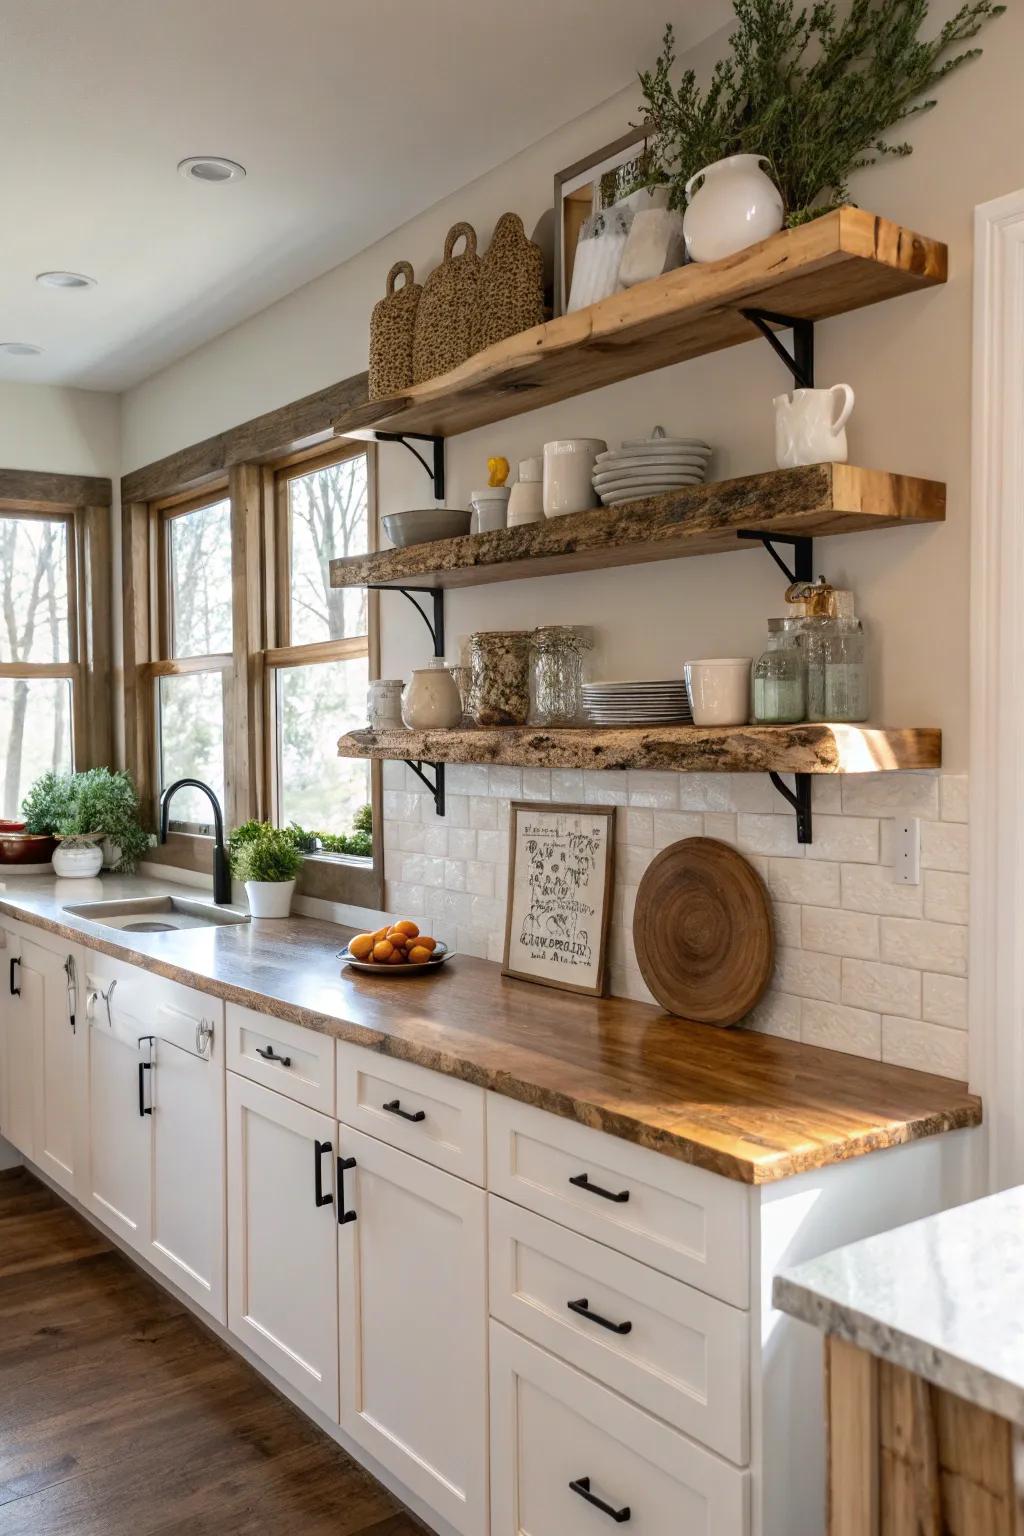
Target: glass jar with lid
780	676
837	665
499	676
557	675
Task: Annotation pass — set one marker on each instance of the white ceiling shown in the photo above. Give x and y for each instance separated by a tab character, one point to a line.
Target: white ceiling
351	117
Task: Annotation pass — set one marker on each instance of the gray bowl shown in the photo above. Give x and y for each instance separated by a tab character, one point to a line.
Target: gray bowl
426	524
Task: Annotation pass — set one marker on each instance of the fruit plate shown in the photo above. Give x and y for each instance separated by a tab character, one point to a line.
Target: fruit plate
374	968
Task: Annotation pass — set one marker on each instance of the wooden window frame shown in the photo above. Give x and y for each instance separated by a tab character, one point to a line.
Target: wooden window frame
82	504
328	877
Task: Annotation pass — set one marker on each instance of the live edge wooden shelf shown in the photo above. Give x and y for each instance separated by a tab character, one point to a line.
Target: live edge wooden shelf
800	749
809	502
845	260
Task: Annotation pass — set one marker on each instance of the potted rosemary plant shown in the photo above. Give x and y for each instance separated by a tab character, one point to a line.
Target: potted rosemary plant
267	860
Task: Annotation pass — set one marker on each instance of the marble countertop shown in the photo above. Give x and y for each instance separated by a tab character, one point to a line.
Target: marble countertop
745	1105
942	1297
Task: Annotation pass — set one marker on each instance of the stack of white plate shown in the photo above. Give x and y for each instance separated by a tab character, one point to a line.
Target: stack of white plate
655	703
650	466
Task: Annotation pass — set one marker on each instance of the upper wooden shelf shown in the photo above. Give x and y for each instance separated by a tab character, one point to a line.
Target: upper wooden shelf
842	261
680	748
813	500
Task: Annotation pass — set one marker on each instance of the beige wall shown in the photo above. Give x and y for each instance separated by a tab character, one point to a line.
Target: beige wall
63	431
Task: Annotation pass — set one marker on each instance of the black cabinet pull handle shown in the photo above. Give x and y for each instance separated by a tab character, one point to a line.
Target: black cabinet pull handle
319	1148
144	1108
582	1309
344	1164
582	1182
394	1107
582	1487
271	1055
15	991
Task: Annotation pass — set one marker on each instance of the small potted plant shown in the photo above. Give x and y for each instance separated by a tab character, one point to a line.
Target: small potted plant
108	801
267	860
50	809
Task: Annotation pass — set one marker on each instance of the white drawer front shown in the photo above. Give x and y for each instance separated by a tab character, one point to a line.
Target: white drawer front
673	1350
552	1427
682	1220
376	1094
300	1062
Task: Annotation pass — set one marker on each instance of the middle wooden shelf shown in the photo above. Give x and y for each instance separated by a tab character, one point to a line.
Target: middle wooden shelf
811	501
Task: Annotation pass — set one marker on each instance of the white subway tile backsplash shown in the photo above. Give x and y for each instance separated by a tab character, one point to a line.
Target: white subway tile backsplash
891	794
928	1047
877	987
944	1000
927	946
835	932
864	965
944	846
845	839
840	1028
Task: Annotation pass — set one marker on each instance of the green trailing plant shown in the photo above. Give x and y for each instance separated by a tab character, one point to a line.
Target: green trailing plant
82	807
813	91
259	851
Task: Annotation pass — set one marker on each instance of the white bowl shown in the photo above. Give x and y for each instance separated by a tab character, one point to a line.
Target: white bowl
424	525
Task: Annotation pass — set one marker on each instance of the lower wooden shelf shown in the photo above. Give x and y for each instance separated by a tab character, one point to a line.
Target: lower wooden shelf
678	748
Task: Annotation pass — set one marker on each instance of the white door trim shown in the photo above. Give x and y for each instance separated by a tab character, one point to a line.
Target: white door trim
997	685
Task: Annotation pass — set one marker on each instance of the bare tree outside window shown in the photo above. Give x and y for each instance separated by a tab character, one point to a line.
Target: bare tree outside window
35	712
327	520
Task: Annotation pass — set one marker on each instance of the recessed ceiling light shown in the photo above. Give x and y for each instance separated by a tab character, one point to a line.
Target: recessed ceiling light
65	280
20	348
210	168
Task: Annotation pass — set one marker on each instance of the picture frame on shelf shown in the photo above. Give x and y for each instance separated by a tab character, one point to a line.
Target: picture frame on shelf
561	868
581	190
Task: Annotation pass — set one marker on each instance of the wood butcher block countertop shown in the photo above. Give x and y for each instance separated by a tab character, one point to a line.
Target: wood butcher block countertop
745	1105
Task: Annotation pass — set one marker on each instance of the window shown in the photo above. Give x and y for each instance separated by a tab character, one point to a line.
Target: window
192	675
39	671
318	672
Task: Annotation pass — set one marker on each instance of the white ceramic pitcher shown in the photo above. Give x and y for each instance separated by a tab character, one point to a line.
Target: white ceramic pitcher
735	206
810	426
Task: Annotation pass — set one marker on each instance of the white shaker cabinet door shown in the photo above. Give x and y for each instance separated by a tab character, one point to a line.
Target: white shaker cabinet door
282	1247
413	1283
187	1225
117	1187
22	1005
59	1133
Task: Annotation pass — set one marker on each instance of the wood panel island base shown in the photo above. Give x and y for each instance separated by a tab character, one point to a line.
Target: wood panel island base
512	1248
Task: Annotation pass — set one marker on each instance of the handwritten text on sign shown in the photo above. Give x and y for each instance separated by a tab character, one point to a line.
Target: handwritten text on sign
558	895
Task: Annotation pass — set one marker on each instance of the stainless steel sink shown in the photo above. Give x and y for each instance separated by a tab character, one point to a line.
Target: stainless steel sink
157	914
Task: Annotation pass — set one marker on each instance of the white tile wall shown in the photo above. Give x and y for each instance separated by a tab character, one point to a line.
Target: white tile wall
864	965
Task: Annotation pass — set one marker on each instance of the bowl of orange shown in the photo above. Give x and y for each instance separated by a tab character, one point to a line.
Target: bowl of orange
398	949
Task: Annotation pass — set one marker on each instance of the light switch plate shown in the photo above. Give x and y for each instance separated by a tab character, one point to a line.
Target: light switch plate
906	850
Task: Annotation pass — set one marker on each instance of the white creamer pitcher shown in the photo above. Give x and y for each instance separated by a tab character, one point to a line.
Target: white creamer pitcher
735	205
810	426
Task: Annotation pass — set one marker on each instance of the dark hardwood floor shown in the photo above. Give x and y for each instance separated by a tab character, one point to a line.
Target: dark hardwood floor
121	1416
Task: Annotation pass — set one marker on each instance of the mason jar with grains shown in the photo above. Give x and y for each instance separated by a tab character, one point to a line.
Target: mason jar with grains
499	676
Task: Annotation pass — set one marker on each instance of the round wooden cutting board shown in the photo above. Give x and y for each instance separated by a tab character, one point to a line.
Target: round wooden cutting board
703	931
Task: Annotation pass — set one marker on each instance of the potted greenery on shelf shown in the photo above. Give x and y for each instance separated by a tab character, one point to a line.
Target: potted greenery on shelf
267	859
82	810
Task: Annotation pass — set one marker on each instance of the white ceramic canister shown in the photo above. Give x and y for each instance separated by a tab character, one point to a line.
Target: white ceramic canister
490	509
384	704
431	698
526	503
719	690
810	426
735	205
77	862
568	474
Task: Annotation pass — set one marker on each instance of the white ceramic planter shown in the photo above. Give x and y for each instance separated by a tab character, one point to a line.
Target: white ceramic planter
77	863
269	898
735	205
111	853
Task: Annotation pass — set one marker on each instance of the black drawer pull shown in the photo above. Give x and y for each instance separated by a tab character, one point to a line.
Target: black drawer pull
15	991
344	1164
144	1108
394	1107
271	1055
582	1182
582	1487
582	1309
319	1148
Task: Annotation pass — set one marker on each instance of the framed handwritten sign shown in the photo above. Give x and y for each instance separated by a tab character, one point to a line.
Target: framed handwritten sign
560	866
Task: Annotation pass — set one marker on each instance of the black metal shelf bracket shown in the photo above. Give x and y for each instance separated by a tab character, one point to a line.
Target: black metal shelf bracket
800	361
434	470
800	801
803	552
436	786
436	624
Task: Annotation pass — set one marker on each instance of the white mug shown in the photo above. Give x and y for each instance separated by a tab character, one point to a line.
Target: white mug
568	474
719	690
807	428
